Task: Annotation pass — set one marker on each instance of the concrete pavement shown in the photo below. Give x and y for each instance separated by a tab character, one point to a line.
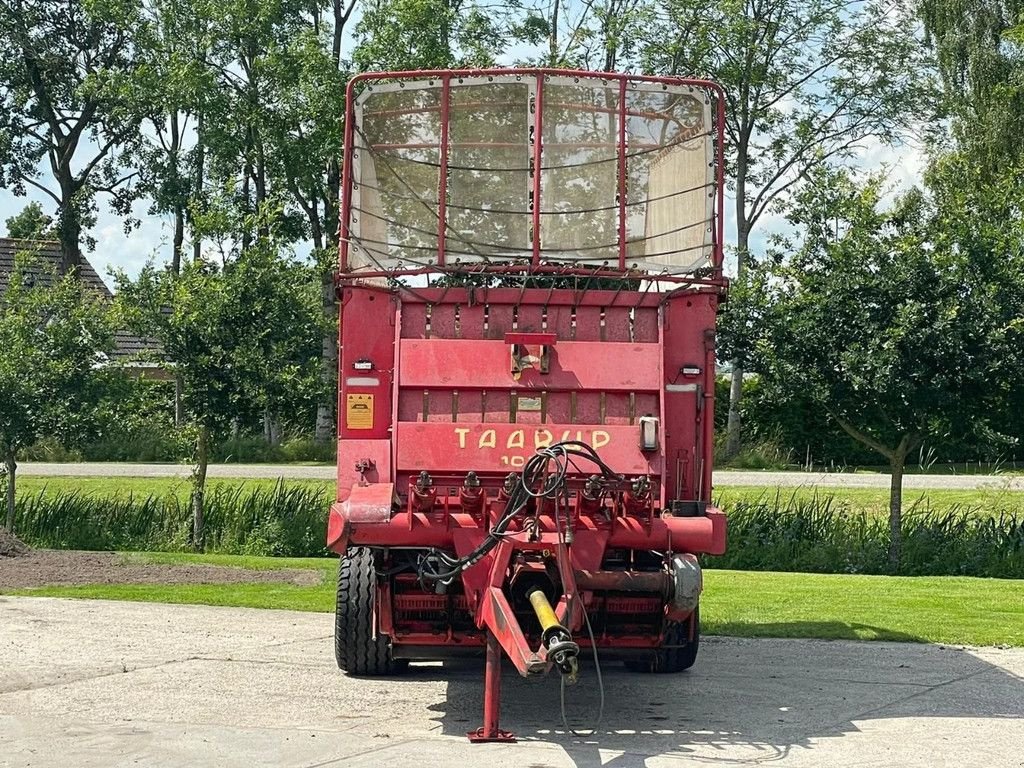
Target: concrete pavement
95	683
723	478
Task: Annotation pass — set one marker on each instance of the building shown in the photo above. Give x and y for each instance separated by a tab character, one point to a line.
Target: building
138	355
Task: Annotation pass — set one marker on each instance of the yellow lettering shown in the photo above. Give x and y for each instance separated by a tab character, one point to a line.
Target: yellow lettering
462	432
600	439
565	436
488	439
516	439
542	438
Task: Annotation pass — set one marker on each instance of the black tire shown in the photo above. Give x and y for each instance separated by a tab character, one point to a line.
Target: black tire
356	649
680	652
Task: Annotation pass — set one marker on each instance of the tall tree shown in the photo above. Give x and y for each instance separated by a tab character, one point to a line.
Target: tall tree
241	335
173	88
64	68
53	336
902	324
807	83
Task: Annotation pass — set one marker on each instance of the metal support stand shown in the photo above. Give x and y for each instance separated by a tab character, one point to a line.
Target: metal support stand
492	698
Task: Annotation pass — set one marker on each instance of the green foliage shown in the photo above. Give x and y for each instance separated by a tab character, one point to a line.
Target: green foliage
53	337
821	535
280	520
66	106
888	319
806	82
427	34
257	450
245	338
31	224
980	48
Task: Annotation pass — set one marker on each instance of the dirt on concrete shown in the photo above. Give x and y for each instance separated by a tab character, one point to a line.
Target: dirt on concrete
41	568
11	545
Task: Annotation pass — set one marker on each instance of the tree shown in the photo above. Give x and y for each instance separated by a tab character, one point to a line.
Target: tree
64	68
806	83
242	335
52	340
428	34
902	324
980	50
31	224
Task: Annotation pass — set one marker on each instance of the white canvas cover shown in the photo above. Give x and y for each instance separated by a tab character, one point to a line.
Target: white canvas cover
488	213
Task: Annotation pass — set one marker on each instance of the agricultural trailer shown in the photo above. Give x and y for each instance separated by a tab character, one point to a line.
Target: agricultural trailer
530	270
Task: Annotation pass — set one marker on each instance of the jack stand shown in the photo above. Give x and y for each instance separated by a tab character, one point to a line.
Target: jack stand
492	698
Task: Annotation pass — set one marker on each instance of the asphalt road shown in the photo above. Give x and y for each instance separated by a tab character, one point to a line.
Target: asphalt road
94	683
722	478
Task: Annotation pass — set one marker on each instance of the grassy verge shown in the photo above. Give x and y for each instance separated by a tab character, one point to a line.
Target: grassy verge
956	610
984	501
857	499
140	487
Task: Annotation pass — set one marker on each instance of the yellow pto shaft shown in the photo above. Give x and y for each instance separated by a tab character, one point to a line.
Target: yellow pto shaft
545	613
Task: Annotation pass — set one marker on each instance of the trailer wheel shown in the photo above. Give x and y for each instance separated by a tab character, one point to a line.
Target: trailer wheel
680	652
357	650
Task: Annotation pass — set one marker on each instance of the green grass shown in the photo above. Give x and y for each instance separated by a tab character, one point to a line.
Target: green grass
991	501
31	485
934	609
283	596
955	610
251	562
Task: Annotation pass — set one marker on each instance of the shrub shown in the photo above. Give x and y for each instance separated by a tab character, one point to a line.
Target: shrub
819	535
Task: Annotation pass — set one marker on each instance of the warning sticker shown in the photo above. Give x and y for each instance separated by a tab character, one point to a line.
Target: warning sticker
359	412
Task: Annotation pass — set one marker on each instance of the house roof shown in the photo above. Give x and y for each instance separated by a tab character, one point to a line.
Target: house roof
127	345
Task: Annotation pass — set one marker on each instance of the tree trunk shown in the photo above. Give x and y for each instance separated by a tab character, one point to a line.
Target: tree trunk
179	405
12	468
897	462
271	428
197	186
199	486
179	208
734	427
325	417
70	232
179	239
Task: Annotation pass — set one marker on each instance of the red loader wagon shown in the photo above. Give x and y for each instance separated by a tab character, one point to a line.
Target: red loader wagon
531	266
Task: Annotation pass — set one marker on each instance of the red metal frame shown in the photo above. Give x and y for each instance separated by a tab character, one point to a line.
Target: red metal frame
536	264
467	382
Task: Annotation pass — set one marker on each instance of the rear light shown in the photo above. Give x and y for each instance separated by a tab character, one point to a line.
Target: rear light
648	433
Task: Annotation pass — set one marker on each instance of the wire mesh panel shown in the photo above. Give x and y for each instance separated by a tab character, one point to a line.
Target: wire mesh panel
670	177
530	168
488	184
579	170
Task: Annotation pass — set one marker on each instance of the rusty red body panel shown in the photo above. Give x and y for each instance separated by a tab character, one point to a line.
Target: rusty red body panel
447	391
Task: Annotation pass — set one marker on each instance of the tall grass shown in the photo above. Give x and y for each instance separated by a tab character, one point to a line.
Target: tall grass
280	520
821	535
774	533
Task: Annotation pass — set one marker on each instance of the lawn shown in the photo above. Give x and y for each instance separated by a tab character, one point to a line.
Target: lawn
955	610
991	501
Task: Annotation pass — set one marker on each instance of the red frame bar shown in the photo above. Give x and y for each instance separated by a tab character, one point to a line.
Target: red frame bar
622	174
442	184
538	147
717	278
